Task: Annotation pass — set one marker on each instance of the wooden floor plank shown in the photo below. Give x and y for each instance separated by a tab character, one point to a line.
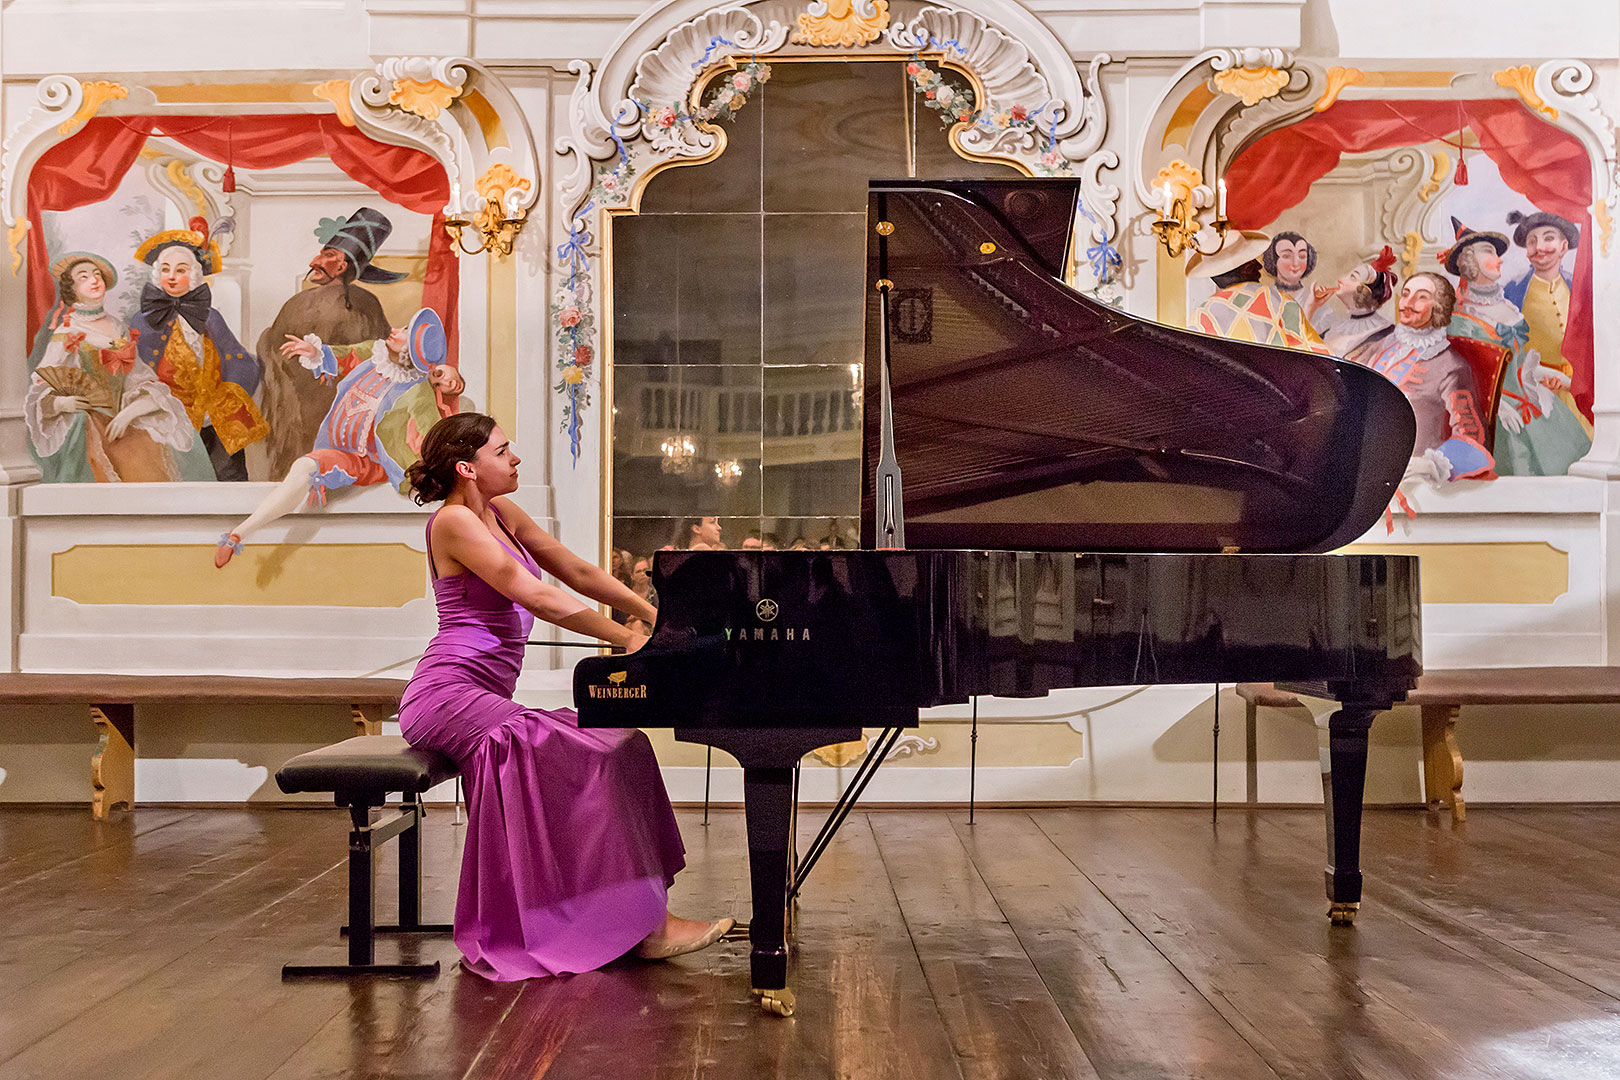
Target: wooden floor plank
1001	1018
1242	916
1135	1015
1126	944
1546	898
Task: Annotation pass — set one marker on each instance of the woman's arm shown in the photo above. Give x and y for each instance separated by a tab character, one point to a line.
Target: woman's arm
460	537
578	574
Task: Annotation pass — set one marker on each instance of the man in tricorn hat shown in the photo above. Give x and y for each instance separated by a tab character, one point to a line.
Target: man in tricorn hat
335	309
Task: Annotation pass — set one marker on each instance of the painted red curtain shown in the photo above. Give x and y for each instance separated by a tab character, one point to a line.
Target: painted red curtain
89	166
1548	166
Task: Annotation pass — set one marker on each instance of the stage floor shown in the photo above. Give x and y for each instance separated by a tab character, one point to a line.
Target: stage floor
1120	943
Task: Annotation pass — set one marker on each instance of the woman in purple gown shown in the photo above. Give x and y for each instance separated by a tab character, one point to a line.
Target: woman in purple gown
571	842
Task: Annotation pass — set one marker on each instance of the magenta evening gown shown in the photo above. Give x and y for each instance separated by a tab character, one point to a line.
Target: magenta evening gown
571	842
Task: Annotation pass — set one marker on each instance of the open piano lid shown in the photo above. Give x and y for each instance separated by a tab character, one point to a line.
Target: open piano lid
1029	416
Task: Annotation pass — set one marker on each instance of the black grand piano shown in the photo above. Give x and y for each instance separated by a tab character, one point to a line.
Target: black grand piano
1088	499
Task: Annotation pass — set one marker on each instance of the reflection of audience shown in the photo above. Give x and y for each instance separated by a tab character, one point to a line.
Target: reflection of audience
1416	355
703	534
641	580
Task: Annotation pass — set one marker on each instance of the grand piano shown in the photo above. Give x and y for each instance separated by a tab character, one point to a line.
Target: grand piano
1088	499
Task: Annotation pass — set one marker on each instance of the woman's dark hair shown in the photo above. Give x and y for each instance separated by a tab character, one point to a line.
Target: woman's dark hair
1269	259
64	282
454	439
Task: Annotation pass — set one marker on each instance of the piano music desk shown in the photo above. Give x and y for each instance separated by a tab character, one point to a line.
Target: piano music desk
1440	696
111	700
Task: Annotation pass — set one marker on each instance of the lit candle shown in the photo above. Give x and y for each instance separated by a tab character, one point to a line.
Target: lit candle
1220	198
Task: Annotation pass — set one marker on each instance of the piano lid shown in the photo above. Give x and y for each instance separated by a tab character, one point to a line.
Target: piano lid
1030	416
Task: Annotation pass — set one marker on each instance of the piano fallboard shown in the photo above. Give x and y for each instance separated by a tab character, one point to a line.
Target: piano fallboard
830	638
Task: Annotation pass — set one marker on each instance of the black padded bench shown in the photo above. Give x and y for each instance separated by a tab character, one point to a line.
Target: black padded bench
361	773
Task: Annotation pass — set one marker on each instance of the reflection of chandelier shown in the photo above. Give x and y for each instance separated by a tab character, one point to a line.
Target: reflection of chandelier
728	472
679	454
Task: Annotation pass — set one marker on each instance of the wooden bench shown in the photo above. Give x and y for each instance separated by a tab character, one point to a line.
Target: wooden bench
1440	696
361	773
112	699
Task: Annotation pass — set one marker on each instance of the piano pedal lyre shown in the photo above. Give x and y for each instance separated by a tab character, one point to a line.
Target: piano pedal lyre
1343	912
776	1002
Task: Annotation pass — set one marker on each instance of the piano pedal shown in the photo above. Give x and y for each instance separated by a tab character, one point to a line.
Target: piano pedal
1342	912
738	932
776	1002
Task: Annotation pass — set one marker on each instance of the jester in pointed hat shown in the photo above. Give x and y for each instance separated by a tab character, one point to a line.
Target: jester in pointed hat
1538	433
1362	293
333	306
184	339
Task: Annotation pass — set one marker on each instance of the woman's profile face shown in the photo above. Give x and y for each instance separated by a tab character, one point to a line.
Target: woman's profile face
494	467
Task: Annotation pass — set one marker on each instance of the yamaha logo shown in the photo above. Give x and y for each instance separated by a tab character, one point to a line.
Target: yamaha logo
766	610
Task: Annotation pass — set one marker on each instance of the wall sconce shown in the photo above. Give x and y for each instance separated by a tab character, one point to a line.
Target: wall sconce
1182	195
496	229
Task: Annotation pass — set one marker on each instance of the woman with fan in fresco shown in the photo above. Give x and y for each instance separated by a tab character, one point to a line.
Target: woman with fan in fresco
94	413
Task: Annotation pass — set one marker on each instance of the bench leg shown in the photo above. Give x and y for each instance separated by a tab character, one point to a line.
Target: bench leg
368	718
1442	761
364	836
1251	774
112	766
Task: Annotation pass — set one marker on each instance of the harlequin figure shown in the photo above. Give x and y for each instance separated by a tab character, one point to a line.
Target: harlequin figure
1243	307
185	340
389	393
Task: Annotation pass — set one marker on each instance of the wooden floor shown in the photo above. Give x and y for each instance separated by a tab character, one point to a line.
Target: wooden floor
1054	943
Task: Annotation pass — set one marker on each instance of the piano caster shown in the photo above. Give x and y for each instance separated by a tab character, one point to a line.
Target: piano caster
776	1002
1343	912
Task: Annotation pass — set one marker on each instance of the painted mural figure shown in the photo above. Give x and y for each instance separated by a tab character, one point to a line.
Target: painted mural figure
185	340
1243	307
1536	434
1543	294
1362	292
94	414
336	309
389	394
1416	355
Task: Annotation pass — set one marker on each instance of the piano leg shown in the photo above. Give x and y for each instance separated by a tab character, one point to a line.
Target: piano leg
768	798
1344	781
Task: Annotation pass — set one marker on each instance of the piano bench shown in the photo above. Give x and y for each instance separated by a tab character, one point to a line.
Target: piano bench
1440	696
361	773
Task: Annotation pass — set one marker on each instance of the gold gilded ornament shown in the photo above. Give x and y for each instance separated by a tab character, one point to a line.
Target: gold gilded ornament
842	23
1251	85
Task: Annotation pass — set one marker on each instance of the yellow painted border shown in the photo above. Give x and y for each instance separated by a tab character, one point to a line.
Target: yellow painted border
276	575
1501	572
500	366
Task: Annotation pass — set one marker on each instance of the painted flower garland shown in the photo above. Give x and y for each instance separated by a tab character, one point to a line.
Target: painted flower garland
960	107
573	321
